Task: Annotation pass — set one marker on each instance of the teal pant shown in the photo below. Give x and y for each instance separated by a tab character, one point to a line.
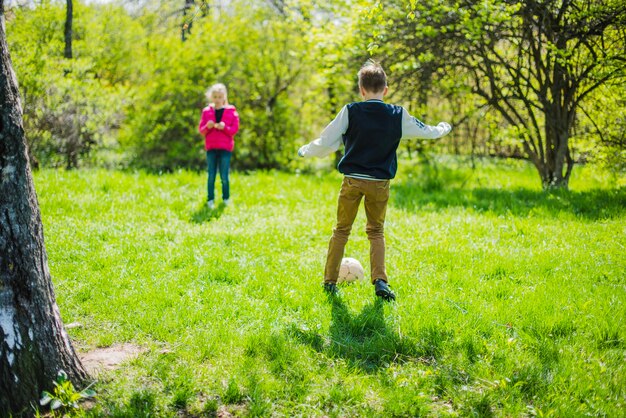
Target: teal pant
218	158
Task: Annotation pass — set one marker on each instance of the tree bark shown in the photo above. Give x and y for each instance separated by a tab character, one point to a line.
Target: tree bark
69	15
187	23
34	344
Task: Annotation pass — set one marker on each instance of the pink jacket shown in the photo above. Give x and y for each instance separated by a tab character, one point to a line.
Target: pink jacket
215	138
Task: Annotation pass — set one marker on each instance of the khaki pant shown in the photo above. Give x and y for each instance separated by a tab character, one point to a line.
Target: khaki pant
376	194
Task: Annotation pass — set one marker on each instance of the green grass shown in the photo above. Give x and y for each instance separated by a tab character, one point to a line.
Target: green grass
511	302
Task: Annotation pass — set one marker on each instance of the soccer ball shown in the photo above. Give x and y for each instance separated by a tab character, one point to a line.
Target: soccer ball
350	270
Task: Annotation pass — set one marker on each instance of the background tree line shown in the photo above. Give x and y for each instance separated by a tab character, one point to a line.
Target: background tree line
541	80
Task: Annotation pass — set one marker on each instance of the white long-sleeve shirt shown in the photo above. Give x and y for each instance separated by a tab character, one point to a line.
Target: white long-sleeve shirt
331	138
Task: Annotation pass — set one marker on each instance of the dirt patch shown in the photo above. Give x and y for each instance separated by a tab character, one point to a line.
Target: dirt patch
108	358
223	413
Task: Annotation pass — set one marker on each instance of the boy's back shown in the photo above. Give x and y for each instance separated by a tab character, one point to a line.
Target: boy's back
371	140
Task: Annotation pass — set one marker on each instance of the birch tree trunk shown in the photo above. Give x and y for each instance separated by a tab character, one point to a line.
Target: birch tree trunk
34	345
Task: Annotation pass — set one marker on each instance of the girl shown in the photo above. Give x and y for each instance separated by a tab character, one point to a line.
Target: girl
219	124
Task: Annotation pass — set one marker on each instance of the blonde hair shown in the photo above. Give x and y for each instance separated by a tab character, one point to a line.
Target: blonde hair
217	87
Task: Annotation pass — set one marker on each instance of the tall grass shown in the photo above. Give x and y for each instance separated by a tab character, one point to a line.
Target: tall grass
511	301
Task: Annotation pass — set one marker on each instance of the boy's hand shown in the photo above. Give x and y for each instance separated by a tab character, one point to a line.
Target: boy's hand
220	126
445	126
301	151
210	124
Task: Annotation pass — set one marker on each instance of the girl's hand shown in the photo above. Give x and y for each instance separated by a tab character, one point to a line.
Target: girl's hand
210	124
220	126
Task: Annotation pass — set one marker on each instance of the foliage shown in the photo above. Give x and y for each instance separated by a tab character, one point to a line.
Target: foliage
263	57
134	92
285	71
70	105
510	299
600	131
64	396
534	62
161	128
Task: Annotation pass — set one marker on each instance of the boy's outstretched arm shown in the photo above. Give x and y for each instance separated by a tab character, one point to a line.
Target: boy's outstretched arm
415	128
330	139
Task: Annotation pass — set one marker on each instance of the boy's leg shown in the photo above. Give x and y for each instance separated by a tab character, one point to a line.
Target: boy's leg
347	208
376	198
224	166
211	159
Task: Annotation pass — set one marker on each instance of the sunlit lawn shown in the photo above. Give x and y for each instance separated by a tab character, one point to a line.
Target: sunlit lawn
511	302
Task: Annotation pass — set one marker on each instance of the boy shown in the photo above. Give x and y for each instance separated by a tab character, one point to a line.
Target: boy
371	131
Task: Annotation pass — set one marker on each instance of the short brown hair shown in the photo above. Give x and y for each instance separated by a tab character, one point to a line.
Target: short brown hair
372	77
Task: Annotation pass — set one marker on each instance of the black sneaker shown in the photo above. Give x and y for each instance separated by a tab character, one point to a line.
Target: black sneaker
383	290
331	289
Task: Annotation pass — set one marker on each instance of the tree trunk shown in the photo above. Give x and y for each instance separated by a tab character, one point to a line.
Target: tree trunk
68	29
187	23
557	166
34	344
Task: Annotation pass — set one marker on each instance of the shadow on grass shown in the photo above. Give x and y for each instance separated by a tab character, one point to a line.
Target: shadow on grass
204	214
592	205
364	340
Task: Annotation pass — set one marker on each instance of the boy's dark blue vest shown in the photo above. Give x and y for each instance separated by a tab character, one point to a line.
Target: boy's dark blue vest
371	141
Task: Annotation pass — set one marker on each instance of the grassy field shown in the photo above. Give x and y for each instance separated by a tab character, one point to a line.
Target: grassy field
511	302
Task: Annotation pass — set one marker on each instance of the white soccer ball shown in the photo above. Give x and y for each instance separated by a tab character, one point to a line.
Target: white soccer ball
350	270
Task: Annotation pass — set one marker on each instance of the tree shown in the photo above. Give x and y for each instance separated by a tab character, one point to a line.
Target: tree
534	62
69	12
187	21
34	345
